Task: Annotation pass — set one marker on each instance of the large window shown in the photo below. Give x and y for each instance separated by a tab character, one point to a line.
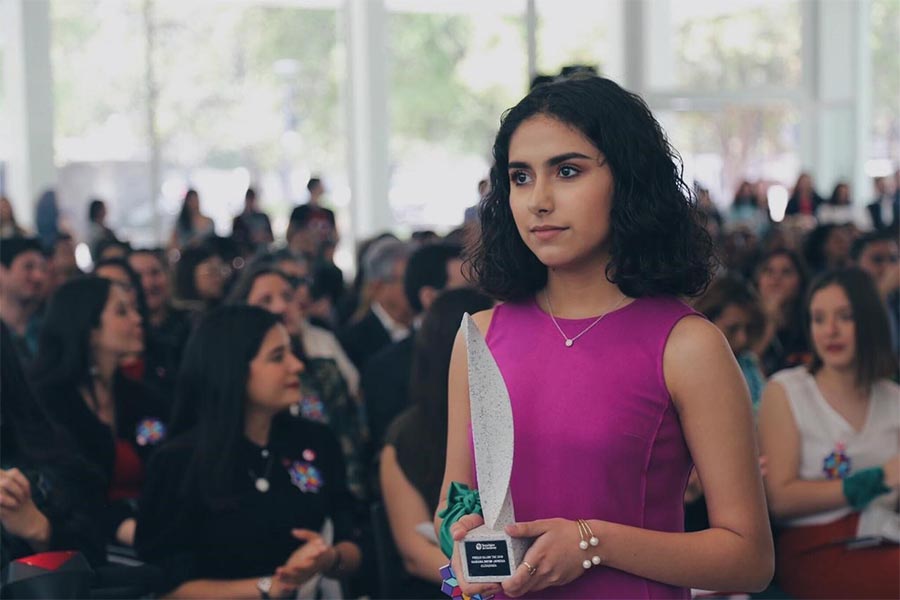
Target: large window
452	74
735	45
242	93
572	32
885	47
722	148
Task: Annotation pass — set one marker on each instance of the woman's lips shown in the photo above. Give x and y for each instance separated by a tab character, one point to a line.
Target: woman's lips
547	233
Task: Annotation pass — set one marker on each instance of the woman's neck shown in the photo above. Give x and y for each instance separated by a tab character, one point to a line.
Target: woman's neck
106	364
842	381
580	294
257	426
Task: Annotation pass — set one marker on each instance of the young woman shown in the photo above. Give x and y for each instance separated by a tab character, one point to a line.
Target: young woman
200	278
589	237
415	449
232	505
831	436
90	327
50	497
781	279
325	397
192	226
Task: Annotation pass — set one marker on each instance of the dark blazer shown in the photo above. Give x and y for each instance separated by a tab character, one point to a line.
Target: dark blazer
875	212
385	386
361	340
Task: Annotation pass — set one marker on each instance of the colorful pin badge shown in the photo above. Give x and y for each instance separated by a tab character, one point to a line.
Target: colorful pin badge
837	464
309	455
310	407
450	586
149	432
305	476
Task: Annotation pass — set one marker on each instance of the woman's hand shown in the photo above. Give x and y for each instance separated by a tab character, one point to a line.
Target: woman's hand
125	532
281	589
555	556
312	557
459	530
18	513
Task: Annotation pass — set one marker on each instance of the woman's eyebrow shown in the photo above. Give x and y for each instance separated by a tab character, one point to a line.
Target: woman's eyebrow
553	161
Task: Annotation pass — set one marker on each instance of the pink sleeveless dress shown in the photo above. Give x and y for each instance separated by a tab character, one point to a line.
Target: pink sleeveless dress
596	433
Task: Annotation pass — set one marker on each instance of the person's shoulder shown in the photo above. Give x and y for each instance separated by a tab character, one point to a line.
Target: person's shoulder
484	318
401	426
174	454
791	376
693	331
890	390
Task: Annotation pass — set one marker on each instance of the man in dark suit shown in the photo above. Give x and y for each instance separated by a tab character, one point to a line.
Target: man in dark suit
885	208
389	316
385	378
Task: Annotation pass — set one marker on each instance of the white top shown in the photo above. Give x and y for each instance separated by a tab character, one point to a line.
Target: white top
823	431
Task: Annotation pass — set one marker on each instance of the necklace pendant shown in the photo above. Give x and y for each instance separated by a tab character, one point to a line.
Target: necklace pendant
569	343
262	485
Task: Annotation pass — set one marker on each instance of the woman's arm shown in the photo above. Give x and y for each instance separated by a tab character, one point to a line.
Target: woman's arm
735	553
406	509
790	496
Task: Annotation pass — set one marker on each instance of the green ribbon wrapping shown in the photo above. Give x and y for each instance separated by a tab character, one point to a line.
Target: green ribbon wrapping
461	501
860	488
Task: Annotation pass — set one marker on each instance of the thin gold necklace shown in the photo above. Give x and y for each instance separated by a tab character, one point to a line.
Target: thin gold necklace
570	341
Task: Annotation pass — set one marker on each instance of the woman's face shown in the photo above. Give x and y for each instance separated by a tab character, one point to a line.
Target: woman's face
299	271
832	327
119	331
561	192
6	212
274	380
272	293
734	322
778	278
837	246
153	280
193	204
209	278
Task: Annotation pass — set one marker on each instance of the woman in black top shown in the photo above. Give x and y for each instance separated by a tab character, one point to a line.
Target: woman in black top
231	507
90	326
325	396
50	496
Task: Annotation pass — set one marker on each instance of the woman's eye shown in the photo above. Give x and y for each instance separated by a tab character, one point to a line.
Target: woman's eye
567	171
519	177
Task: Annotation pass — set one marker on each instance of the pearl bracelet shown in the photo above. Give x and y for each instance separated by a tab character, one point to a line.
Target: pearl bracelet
588	539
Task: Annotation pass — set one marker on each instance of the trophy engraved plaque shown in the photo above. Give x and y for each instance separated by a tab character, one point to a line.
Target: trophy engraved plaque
487	553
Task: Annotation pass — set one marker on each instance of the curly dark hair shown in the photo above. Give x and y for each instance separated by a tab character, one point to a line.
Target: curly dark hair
658	243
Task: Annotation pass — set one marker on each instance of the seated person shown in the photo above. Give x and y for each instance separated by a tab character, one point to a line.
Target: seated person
233	504
413	456
734	308
831	436
50	497
89	328
325	397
